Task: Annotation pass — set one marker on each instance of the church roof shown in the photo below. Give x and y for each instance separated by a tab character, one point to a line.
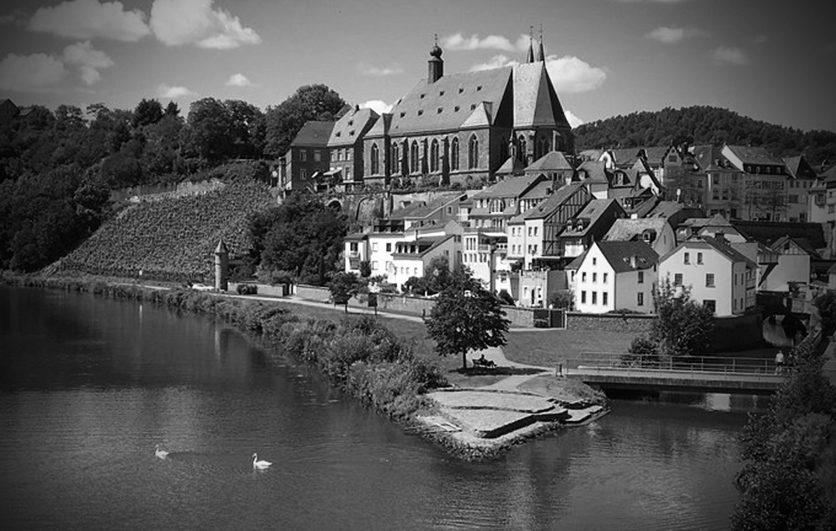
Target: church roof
551	161
535	101
381	126
313	134
449	102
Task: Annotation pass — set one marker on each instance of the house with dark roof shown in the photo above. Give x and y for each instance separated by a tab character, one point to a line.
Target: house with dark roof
615	275
718	276
306	157
591	224
553	165
655	232
464	127
802	178
411	257
765	183
534	235
345	147
494	206
437	211
8	111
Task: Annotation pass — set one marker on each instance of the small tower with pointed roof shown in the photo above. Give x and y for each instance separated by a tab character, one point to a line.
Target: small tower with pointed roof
530	57
436	63
541	53
221	266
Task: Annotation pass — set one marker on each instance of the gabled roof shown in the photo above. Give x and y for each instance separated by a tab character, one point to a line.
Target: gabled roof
628	229
381	126
313	134
351	127
628	156
707	242
710	158
620	254
668	209
802	243
768	232
555	201
754	155
551	161
425	245
511	166
595	170
510	187
799	168
591	212
422	209
449	102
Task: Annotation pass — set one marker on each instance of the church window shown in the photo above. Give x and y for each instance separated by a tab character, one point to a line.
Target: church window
394	159
542	147
375	159
414	158
473	152
434	158
454	154
522	146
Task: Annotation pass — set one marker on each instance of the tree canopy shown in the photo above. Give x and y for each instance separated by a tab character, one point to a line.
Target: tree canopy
301	236
466	317
704	125
283	122
682	326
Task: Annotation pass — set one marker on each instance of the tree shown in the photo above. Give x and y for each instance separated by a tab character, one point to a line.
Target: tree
302	235
466	316
211	129
147	112
343	287
564	299
682	326
826	306
283	122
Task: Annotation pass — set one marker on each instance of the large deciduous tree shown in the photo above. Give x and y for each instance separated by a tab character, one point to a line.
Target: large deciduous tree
466	317
682	326
310	102
343	286
302	236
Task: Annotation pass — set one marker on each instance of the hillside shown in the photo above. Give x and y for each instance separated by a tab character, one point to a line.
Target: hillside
705	125
173	239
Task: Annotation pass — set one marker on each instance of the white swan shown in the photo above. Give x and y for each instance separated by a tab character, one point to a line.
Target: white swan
162	454
261	465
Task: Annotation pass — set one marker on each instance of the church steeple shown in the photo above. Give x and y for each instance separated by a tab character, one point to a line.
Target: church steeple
436	64
530	57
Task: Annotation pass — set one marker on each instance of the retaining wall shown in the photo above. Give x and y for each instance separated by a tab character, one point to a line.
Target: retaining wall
636	323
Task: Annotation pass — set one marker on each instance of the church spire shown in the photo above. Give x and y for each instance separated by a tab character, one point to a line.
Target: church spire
530	57
435	64
541	55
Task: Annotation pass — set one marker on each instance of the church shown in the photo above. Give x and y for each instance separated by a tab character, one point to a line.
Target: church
460	128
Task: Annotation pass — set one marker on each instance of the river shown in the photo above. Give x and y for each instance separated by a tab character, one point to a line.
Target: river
89	386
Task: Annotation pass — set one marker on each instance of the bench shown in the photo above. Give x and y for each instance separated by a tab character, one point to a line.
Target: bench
484	363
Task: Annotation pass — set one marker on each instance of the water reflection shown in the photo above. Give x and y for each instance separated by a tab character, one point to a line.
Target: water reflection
82	407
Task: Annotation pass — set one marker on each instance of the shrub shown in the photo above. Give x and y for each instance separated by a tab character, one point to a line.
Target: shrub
247	289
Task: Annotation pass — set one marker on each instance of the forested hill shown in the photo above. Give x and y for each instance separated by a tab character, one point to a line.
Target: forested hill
705	125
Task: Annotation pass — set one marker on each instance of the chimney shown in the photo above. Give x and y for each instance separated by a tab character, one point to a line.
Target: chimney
720	236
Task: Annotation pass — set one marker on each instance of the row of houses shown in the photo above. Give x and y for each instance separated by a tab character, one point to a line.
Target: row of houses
535	235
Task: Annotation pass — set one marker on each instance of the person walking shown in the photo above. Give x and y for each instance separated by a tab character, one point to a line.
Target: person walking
779	362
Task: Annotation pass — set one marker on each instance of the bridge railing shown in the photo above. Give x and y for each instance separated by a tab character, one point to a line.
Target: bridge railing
690	364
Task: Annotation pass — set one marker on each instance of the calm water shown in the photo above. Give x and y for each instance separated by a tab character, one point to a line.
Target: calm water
89	386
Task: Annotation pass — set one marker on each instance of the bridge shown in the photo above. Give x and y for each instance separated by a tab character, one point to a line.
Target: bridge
688	374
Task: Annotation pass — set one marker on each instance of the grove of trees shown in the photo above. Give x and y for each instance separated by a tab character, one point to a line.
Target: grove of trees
705	125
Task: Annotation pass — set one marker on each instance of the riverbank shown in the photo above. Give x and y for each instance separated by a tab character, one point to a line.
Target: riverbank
366	360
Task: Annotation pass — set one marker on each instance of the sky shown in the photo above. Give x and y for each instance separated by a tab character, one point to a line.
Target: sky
769	60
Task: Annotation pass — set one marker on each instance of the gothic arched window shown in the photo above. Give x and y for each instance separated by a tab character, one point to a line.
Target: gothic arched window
454	155
375	159
434	157
523	152
414	158
394	160
542	147
473	153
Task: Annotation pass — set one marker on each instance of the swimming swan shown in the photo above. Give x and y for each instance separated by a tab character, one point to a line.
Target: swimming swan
162	454
260	464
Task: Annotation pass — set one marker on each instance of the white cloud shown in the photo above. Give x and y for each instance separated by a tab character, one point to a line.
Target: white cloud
369	70
669	35
238	80
458	41
378	106
36	72
89	19
569	74
164	91
573	120
178	22
88	60
725	55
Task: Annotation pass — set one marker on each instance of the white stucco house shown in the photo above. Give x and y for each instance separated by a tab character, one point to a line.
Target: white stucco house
615	275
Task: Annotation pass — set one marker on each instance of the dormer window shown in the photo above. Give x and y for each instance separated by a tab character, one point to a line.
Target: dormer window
351	122
439	110
441	93
420	112
402	115
422	96
472	106
339	133
478	88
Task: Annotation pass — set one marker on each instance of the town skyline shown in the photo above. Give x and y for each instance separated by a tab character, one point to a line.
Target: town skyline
605	57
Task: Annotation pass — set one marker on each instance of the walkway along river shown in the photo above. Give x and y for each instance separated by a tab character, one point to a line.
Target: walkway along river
88	387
